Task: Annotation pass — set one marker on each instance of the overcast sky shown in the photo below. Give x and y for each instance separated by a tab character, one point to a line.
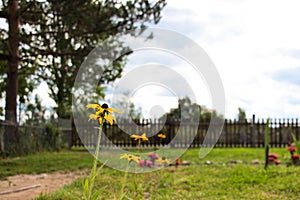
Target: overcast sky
255	46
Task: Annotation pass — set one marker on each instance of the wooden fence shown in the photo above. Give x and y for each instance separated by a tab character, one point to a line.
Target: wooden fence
188	134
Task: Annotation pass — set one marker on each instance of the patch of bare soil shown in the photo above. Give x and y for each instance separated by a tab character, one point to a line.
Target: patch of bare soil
30	186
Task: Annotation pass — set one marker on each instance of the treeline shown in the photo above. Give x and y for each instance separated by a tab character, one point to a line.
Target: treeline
46	41
191	111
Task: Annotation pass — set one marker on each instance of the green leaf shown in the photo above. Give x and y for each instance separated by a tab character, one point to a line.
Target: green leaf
100	168
96	194
86	188
296	143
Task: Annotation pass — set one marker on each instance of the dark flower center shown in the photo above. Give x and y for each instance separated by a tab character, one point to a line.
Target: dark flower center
104	106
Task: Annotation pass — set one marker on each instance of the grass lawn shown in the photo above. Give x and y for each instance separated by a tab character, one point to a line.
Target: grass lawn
220	180
45	162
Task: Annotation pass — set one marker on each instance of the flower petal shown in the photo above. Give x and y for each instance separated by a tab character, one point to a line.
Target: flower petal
136	159
143	137
95	105
100	120
116	110
110	119
124	156
99	111
93	116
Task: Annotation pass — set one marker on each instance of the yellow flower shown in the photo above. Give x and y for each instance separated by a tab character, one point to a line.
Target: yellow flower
95	106
138	137
163	160
104	107
130	157
102	112
111	110
108	118
162	136
93	116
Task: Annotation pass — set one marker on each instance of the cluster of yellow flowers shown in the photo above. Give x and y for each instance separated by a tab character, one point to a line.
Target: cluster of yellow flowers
103	113
137	159
130	157
144	138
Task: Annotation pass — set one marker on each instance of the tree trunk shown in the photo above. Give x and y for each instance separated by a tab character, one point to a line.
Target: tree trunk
11	132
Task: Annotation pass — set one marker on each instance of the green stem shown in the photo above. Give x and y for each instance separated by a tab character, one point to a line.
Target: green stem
139	144
94	169
124	182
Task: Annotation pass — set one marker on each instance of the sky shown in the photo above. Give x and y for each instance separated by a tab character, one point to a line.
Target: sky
255	46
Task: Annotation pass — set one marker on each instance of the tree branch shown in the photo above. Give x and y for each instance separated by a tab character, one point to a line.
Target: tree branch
3	14
23	10
53	53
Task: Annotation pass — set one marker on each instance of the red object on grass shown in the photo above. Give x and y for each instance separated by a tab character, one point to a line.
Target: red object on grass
273	155
277	162
271	159
295	157
291	149
177	161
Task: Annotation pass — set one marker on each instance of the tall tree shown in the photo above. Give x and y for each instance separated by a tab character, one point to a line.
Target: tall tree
49	40
11	55
68	30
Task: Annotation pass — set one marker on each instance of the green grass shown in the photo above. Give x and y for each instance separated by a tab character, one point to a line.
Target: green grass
220	180
242	154
45	162
196	182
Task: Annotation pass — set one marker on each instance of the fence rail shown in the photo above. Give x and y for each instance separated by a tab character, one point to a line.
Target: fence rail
178	134
234	133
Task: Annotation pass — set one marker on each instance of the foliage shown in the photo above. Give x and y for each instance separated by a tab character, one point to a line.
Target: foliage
241	115
191	111
52	138
34	113
128	107
297	144
220	180
102	114
32	139
55	37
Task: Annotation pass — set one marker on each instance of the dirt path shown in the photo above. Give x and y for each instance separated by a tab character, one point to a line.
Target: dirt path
40	183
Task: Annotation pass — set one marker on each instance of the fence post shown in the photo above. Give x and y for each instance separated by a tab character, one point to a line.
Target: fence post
253	136
297	128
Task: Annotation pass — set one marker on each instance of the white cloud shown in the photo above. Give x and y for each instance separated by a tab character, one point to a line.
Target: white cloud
247	40
171	78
